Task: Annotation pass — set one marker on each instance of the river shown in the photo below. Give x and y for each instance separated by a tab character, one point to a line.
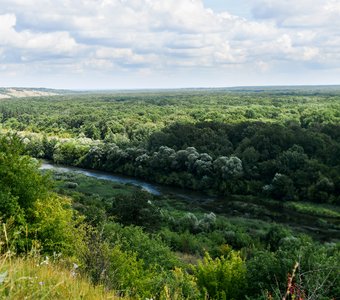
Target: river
152	188
300	221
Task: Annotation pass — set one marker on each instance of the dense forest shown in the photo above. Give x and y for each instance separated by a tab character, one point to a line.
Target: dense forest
284	146
269	159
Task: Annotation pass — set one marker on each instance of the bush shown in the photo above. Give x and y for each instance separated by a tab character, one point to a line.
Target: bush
222	278
36	215
150	248
120	270
71	185
180	285
56	226
136	209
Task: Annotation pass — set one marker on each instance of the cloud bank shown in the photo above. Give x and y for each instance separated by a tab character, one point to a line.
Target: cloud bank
169	43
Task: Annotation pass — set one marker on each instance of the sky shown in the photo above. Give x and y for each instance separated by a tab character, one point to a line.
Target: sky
134	44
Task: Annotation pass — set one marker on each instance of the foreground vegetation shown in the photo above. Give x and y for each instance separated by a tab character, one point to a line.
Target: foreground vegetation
35	278
262	155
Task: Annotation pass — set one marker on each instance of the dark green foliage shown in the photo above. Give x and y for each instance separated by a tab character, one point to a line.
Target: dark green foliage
288	163
205	137
10	207
136	209
282	187
318	272
274	236
19	174
264	272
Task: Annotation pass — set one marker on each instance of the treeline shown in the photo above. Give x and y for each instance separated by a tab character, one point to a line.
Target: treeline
131	118
283	162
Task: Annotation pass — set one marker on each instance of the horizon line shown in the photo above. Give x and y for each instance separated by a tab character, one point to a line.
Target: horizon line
177	88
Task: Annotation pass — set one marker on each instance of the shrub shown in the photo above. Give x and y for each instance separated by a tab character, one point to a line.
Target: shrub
56	226
136	209
36	215
180	285
222	278
71	185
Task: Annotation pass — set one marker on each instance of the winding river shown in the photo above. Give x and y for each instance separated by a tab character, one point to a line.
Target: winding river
300	220
152	188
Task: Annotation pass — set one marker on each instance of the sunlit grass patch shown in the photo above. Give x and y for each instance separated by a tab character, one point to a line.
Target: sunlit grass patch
33	278
88	185
314	209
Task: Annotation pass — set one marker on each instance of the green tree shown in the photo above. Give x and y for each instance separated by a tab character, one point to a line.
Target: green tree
37	214
282	187
137	209
19	174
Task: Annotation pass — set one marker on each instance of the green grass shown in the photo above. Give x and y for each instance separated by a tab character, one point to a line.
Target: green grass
313	219
314	209
32	278
90	186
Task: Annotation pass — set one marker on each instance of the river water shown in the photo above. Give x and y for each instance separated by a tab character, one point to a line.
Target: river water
198	198
152	188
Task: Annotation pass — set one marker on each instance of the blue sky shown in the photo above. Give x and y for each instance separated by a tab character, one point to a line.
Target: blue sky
118	44
240	8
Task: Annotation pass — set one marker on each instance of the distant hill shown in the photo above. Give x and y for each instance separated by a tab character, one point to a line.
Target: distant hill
288	88
20	92
6	93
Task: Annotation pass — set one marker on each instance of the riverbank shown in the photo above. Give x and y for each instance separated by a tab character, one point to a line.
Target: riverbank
152	188
322	222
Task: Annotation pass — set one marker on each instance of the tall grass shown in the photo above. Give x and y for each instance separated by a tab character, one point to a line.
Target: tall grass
31	278
34	277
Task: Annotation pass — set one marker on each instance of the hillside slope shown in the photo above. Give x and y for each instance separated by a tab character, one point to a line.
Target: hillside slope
34	278
7	93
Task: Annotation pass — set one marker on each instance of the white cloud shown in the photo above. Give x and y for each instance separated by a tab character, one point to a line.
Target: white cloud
54	42
302	13
150	36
